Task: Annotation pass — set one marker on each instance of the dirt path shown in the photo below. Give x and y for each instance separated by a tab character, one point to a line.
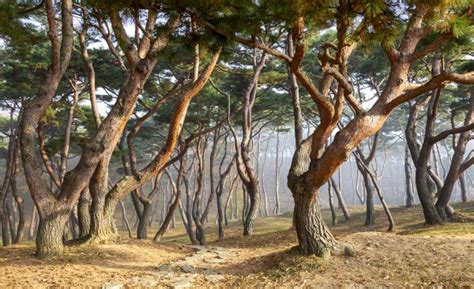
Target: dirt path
201	266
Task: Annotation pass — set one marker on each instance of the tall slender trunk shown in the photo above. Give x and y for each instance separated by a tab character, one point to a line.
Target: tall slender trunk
142	228
220	216
424	175
369	200
263	182
235	208
125	219
173	205
374	181
102	224
277	174
340	198
230	203
13	187
331	205
462	185
11	218
457	167
410	195
5	204
84	213
33	223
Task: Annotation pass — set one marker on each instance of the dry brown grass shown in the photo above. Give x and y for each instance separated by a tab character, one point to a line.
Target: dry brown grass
412	255
90	266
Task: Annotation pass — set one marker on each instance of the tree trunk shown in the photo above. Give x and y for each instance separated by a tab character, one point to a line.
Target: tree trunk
125	219
462	185
340	198
11	220
83	213
313	235
254	198
102	227
379	193
244	203
425	192
331	206
457	167
33	223
235	208
5	230
369	200
49	239
102	224
73	225
176	188
230	203
410	196
20	229
142	228
264	186
277	175
220	213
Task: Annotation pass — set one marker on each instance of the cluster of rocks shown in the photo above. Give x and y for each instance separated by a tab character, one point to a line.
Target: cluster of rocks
183	273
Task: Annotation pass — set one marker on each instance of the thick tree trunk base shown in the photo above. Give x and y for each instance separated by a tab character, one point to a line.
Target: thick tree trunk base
432	217
445	212
91	239
313	235
102	227
201	236
49	240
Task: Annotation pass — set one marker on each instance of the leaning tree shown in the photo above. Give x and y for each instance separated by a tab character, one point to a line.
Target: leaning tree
313	162
141	55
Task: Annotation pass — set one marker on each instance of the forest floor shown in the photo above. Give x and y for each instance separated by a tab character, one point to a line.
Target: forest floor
413	255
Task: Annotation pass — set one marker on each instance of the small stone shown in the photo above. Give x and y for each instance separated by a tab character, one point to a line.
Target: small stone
209	271
215	278
160	274
112	285
165	268
183	283
349	251
215	261
143	281
186	268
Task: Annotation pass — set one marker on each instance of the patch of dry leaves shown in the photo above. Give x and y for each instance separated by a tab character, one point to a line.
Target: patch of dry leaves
88	266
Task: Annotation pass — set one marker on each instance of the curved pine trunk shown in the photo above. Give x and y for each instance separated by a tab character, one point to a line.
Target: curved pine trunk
314	236
102	227
410	196
251	214
142	229
369	200
83	213
426	196
220	215
462	185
